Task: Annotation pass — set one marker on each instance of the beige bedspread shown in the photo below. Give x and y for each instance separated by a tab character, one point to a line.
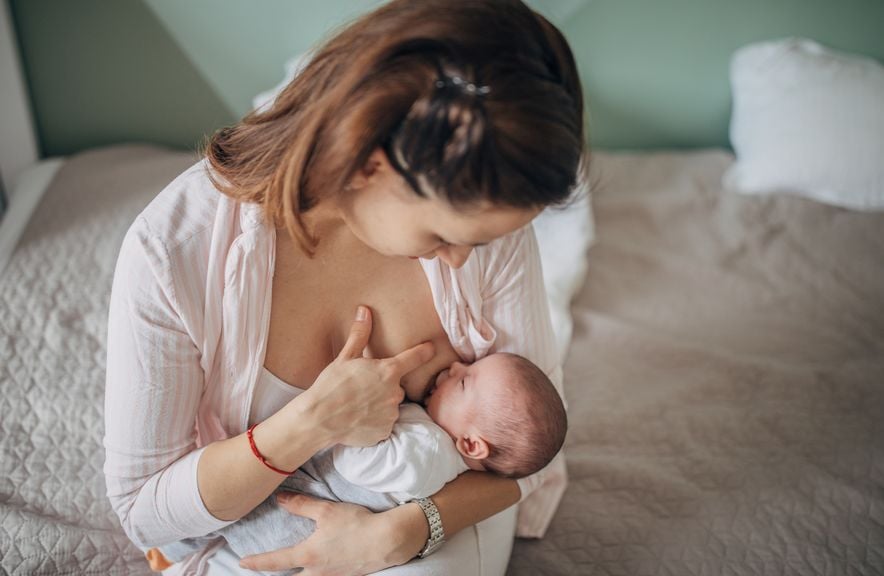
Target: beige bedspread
726	383
726	379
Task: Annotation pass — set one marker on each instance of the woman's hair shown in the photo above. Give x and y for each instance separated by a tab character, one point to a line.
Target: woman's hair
385	80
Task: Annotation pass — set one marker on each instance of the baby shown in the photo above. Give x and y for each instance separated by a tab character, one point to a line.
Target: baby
500	414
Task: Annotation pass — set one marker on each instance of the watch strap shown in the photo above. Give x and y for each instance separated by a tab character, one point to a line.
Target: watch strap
437	533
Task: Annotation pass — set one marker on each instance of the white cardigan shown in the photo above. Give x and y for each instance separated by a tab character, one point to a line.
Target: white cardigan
187	330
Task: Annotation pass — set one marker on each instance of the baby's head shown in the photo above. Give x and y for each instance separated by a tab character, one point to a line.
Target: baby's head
503	413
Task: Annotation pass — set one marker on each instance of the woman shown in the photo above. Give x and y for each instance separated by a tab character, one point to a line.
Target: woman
435	130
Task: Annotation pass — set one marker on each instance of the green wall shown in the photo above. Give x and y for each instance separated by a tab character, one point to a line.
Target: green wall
172	71
656	72
106	71
243	52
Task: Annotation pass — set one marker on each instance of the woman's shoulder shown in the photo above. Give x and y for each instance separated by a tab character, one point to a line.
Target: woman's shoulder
167	250
185	208
499	262
514	243
506	255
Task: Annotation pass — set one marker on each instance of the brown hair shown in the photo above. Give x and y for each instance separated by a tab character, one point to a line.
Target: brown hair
374	83
528	422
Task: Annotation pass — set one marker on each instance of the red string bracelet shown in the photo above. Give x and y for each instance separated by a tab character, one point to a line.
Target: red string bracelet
259	456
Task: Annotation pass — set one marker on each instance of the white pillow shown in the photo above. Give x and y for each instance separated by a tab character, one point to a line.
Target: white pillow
564	236
807	120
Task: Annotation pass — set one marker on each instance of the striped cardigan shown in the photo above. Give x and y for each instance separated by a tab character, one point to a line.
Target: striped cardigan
187	330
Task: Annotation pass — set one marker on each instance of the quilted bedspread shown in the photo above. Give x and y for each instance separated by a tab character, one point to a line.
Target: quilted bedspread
54	515
725	381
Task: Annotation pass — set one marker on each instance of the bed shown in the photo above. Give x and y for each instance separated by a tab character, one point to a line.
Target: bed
725	377
724	353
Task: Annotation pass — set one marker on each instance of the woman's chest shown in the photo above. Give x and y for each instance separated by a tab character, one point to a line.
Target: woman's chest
313	309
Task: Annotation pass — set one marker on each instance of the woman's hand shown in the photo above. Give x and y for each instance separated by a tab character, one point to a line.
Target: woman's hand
348	540
355	400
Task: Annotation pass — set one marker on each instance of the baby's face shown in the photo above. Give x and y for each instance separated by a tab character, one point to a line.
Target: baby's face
461	389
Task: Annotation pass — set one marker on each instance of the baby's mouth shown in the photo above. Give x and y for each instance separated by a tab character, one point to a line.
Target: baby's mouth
435	383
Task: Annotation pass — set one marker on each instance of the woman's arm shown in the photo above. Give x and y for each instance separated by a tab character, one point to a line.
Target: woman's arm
160	485
153	386
471	498
354	401
232	481
350	539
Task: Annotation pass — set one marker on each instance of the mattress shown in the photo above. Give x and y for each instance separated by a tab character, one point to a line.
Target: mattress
54	293
725	383
725	380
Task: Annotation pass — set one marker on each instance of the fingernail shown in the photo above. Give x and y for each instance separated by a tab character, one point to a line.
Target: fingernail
283	497
361	313
244	564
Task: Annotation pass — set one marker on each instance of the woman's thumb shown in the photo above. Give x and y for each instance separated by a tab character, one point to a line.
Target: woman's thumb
359	333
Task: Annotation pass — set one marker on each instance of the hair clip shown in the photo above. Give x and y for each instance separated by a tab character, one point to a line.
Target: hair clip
467	87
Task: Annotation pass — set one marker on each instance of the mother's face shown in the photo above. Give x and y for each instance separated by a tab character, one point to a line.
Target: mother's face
385	214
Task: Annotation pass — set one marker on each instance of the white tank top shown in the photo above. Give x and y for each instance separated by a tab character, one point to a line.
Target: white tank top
271	394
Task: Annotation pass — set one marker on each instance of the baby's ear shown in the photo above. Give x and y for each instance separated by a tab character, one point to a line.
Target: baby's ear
472	446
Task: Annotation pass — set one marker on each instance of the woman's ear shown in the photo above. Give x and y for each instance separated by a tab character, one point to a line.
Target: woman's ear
377	159
472	446
374	162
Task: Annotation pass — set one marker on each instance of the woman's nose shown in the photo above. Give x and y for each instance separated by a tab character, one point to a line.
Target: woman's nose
454	256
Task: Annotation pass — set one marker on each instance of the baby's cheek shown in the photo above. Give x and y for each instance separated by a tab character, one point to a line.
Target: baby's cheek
463	410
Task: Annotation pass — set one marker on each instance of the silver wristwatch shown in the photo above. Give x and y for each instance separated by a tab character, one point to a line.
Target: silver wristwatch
437	533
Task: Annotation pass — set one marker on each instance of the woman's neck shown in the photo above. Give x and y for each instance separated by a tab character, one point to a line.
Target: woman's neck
336	245
324	220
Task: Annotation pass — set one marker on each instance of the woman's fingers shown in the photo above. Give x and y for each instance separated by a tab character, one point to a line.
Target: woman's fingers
301	504
281	559
406	361
359	334
294	556
402	363
345	541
